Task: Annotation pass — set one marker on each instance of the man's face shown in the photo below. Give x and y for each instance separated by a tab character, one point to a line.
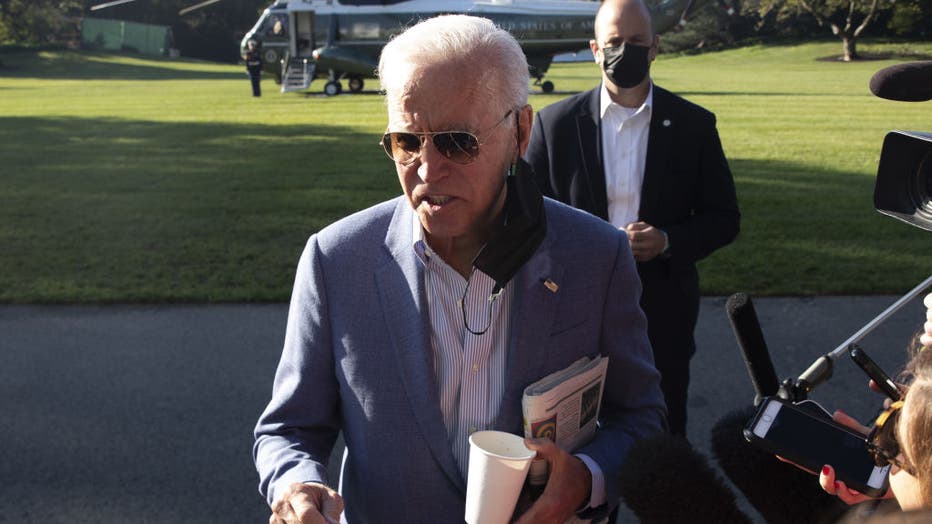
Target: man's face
622	22
454	202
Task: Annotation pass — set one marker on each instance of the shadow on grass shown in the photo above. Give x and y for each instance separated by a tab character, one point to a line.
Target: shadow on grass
316	90
797	94
882	55
109	210
809	231
555	94
102	66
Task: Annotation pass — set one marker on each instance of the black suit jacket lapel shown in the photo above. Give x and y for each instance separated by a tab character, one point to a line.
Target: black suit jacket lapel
588	124
658	152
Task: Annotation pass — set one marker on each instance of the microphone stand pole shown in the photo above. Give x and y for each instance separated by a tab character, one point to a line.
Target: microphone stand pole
821	369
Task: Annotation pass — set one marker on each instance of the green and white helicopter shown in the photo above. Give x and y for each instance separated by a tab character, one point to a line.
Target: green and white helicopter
341	39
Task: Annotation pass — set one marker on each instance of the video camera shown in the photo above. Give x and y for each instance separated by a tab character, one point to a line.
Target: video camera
903	189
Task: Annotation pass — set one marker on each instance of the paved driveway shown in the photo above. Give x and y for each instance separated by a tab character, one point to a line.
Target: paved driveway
145	413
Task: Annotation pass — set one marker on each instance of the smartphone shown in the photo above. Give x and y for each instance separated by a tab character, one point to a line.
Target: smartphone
883	381
812	441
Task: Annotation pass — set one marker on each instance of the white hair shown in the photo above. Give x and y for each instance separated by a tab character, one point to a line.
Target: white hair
489	54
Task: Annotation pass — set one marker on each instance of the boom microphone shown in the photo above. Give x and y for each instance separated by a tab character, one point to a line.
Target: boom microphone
753	348
907	82
661	470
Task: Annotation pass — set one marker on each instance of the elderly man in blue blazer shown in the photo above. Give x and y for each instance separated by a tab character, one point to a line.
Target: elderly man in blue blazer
422	319
651	163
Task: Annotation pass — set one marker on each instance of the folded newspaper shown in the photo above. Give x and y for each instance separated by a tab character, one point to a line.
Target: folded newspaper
564	406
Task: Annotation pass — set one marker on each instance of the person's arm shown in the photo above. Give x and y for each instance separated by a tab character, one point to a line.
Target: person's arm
632	402
538	157
715	219
297	431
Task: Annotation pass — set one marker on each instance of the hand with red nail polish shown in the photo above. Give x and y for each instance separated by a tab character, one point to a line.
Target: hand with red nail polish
840	490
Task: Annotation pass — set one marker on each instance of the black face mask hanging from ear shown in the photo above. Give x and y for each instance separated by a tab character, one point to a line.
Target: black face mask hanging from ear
525	225
525	228
626	65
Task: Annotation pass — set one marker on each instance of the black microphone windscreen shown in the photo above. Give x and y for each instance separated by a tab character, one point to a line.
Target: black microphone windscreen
661	469
907	82
781	492
750	338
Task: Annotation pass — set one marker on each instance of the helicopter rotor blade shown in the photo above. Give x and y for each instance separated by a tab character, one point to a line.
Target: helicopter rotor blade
686	12
110	4
188	9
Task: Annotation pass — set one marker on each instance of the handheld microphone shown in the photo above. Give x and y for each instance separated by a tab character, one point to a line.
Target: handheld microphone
658	472
907	82
747	330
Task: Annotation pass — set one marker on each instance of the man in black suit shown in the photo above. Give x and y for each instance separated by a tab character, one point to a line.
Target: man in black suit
652	164
253	58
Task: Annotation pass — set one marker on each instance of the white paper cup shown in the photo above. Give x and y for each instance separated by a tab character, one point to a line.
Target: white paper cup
498	465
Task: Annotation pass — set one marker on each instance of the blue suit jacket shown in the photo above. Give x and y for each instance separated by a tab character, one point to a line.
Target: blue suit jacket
357	358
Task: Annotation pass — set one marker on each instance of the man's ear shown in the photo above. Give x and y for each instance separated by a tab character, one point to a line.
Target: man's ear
654	48
596	52
525	121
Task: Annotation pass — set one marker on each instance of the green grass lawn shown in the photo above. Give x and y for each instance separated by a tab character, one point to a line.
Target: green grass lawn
131	179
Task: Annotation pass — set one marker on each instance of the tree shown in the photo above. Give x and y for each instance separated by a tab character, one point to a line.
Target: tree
847	19
911	18
211	33
715	25
38	21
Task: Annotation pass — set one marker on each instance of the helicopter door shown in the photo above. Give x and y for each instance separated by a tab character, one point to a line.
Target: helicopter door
304	33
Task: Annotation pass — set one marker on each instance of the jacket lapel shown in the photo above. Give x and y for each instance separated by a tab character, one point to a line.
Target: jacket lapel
399	282
658	152
588	124
531	320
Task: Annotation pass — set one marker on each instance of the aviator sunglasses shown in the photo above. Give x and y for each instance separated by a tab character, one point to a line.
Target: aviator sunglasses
881	441
461	147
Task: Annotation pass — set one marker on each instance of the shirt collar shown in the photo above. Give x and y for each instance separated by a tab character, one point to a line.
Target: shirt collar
421	249
605	101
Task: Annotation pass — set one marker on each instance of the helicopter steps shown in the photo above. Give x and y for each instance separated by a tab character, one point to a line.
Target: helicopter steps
298	75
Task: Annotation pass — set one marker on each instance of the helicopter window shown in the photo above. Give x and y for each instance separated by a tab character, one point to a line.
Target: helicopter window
364	30
276	25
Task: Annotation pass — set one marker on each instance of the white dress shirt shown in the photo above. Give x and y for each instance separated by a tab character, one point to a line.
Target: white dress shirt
624	153
470	369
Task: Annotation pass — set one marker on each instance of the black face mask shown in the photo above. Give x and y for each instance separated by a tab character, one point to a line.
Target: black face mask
626	65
